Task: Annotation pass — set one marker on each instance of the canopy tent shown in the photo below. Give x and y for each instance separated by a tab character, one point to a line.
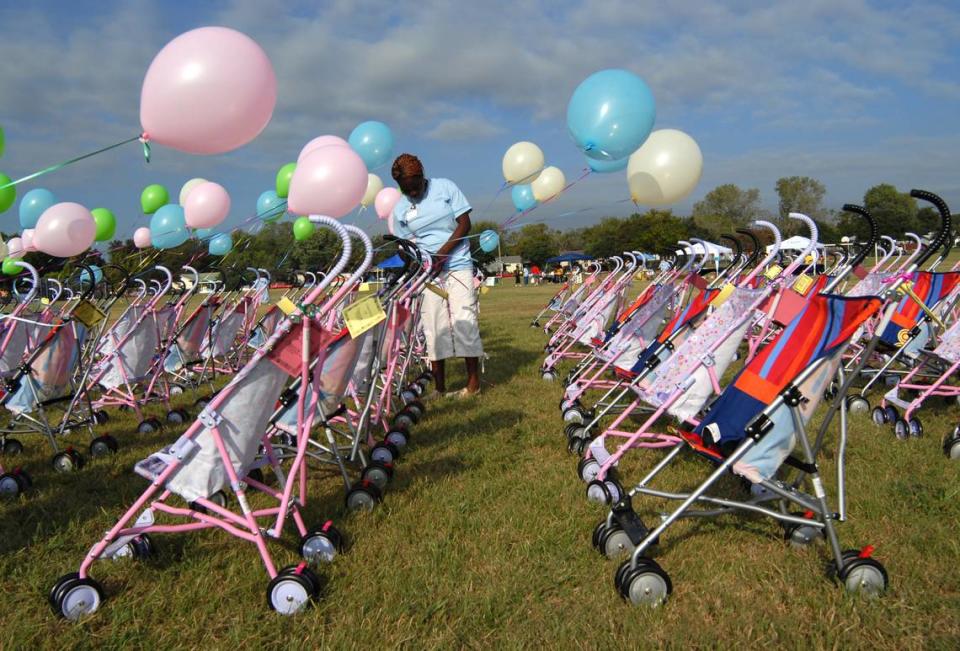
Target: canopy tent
795	243
568	257
711	249
393	262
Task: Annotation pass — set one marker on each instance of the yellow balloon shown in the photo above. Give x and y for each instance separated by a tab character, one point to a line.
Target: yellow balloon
665	169
189	185
549	184
522	163
374	185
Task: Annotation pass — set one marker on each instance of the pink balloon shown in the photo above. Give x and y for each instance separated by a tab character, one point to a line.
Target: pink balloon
15	248
141	237
386	199
390	224
321	141
208	91
65	230
328	181
26	237
207	205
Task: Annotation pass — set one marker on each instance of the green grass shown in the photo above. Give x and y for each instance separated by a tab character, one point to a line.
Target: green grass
483	540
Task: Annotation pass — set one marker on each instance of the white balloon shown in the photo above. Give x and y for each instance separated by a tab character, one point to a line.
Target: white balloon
374	185
15	248
189	185
522	163
665	169
549	184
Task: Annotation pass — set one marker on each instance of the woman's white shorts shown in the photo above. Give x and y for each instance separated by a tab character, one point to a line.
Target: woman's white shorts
451	325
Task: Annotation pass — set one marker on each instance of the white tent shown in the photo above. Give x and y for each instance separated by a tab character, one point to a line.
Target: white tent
712	249
795	243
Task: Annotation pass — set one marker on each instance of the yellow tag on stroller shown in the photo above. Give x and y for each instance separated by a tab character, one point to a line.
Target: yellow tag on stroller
802	284
722	297
286	306
773	272
362	315
88	314
439	292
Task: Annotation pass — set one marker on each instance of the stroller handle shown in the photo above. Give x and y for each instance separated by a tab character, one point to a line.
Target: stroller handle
756	246
874	232
945	223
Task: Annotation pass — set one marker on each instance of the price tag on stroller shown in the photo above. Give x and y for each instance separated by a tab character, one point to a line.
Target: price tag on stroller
287	306
88	314
802	284
773	272
362	315
722	296
288	353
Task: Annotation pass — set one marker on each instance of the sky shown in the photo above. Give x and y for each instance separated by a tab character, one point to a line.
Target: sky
851	92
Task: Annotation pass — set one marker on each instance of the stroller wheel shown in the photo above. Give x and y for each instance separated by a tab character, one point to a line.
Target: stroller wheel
103	445
548	376
377	473
587	469
800	536
384	452
603	492
615	543
861	575
901	430
575	431
426	375
891	413
11	485
951	447
12	447
577	444
646	584
573	415
417	408
831	391
598	532
408	395
148	426
292	590
915	427
857	405
200	403
73	598
363	496
140	548
398	438
100	416
175	417
219	498
67	461
176	390
879	416
321	545
404	420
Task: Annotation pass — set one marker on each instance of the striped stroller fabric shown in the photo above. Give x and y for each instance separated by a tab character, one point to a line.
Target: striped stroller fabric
821	329
931	288
683	321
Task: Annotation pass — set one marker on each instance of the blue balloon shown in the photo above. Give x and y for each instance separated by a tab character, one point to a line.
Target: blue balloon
33	204
610	114
270	207
607	166
85	275
374	142
204	233
523	198
489	240
168	227
221	244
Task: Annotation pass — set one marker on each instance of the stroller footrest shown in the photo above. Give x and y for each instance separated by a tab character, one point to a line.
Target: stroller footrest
629	521
153	466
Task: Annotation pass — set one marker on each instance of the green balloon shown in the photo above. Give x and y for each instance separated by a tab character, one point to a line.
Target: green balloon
3	141
11	267
283	179
106	223
303	228
152	197
7	195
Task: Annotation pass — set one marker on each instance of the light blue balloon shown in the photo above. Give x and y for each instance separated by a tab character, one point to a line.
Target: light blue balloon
221	244
607	166
374	142
33	204
270	207
204	233
523	198
168	227
85	275
489	240
610	114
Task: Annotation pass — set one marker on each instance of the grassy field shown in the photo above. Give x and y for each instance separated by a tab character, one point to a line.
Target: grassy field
483	541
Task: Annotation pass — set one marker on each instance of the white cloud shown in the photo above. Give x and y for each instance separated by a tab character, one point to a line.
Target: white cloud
467	127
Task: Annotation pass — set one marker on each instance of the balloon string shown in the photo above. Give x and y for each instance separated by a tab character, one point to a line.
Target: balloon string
58	166
519	215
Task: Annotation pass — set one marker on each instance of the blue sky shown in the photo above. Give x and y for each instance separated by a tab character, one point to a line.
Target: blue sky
851	92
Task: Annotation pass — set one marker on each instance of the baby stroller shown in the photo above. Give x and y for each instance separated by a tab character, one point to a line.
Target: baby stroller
216	454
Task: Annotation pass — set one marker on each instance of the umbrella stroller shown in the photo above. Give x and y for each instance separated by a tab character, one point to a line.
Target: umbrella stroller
751	430
215	456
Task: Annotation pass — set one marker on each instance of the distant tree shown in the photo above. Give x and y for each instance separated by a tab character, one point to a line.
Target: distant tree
800	194
534	242
726	208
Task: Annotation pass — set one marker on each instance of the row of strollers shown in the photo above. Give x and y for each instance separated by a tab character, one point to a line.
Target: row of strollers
729	365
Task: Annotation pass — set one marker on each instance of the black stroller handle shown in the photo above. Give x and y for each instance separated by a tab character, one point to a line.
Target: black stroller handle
874	232
88	292
945	225
756	246
409	252
738	247
125	283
